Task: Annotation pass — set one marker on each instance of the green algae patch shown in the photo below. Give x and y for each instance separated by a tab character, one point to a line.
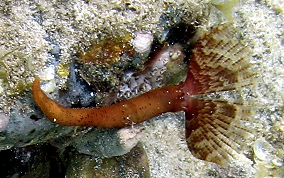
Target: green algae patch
14	62
63	70
225	6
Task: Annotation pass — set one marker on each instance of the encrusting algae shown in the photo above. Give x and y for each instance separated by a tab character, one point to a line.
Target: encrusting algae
108	50
214	128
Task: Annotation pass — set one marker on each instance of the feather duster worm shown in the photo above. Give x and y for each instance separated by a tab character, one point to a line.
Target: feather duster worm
214	129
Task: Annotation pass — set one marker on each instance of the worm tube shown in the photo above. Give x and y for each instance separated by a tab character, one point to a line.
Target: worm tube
125	113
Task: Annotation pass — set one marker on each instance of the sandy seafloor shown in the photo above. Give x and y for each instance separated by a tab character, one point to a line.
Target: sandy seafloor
62	24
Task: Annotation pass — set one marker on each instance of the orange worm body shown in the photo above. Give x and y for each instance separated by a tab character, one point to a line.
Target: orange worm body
125	113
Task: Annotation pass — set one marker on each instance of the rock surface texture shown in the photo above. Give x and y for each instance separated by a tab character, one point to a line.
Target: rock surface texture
47	38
